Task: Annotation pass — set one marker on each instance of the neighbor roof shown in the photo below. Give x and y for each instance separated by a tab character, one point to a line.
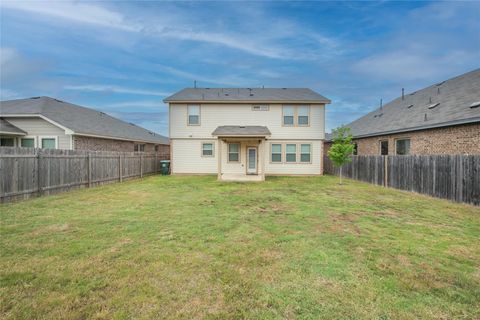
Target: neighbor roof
81	120
242	95
8	128
239	131
447	103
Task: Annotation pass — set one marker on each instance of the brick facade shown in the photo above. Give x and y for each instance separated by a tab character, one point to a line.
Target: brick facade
461	139
101	144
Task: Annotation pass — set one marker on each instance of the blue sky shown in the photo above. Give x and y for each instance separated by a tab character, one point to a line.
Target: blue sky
125	57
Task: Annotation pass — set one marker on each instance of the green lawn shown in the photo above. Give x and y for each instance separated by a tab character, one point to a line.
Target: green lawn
191	247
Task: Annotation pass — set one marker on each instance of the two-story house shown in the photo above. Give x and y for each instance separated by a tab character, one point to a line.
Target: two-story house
246	134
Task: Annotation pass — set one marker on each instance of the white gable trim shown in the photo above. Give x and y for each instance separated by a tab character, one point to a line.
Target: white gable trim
41	116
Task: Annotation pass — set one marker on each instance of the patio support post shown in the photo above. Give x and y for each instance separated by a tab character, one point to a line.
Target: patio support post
219	175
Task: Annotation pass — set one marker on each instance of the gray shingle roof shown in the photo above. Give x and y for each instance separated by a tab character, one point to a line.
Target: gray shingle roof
247	95
250	131
80	119
7	127
442	104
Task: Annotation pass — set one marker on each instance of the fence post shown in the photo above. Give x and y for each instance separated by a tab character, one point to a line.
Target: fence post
89	169
155	165
385	170
141	165
120	169
39	183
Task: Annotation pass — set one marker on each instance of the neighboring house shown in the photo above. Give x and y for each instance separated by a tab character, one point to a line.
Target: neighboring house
245	134
441	119
45	122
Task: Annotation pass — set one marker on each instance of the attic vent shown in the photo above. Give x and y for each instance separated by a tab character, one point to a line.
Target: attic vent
226	94
260	107
35	97
242	127
440	83
476	104
132	124
58	100
410	106
378	115
433	105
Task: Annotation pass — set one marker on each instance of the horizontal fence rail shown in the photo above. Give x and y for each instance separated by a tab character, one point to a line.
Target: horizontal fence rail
452	177
27	172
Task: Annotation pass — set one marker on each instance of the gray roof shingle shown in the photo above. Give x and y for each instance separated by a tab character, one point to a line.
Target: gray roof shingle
442	104
247	95
250	131
7	127
80	119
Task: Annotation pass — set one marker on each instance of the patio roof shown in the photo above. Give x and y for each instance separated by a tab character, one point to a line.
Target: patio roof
241	131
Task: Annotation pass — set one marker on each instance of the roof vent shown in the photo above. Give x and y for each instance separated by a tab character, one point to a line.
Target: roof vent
425	117
476	104
433	105
284	88
440	83
132	124
242	127
58	100
410	106
226	94
35	97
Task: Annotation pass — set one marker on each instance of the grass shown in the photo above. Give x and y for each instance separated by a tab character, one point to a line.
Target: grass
191	247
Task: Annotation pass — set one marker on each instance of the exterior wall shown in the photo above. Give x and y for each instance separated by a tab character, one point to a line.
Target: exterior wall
38	128
187	157
186	140
313	168
214	115
101	144
462	139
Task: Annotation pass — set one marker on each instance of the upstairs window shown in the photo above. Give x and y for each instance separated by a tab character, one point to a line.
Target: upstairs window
193	115
402	146
276	155
303	113
288	115
233	152
207	149
291	153
305	152
384	147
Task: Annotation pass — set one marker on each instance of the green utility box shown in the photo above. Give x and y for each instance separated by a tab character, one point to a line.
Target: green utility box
165	167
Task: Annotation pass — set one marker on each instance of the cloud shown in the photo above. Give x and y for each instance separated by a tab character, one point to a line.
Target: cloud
139	104
115	89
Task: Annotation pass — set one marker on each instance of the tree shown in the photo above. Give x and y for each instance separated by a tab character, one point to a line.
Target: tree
342	148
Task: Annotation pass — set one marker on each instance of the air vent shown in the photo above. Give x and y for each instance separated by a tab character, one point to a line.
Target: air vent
242	127
433	105
58	100
410	106
132	124
378	115
474	105
439	84
35	97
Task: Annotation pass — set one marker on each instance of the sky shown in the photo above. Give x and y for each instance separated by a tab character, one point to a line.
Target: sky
125	57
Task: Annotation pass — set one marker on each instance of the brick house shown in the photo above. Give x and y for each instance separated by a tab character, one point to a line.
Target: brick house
443	118
44	122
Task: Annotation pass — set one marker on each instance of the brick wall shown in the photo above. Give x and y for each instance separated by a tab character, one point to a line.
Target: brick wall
100	144
462	139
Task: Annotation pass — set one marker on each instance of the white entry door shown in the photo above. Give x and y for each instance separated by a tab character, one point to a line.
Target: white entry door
251	160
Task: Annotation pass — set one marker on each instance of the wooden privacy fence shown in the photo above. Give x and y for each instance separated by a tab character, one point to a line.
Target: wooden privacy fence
26	172
453	177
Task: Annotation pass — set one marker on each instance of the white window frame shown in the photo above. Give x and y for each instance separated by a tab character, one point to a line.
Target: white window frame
271	152
307	107
40	140
19	142
10	137
199	115
283	115
228	152
311	152
213	149
287	153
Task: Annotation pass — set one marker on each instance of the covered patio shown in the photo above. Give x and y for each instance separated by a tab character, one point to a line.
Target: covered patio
241	152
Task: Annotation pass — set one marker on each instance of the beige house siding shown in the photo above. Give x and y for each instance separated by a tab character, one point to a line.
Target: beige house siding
38	128
214	115
461	139
187	157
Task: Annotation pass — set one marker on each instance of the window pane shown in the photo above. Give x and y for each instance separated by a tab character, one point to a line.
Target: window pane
7	142
276	148
27	142
291	148
288	114
193	110
207	146
305	148
305	157
233	157
48	143
303	111
403	147
276	157
193	119
288	120
384	148
302	120
207	149
233	147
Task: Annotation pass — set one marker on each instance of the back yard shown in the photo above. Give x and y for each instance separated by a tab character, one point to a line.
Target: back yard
190	247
